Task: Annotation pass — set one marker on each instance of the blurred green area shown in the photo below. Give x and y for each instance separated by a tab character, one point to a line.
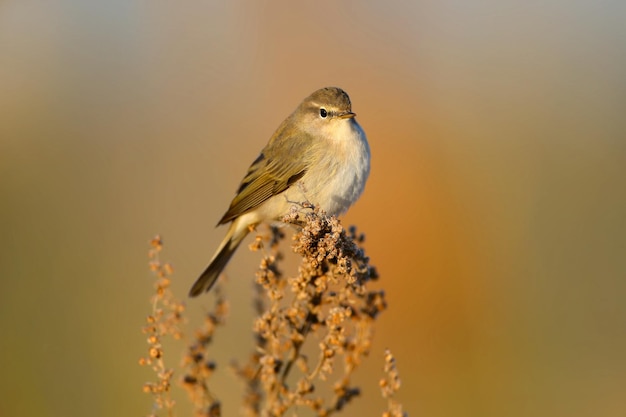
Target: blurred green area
495	209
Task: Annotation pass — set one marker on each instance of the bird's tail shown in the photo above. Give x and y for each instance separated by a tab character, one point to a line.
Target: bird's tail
229	245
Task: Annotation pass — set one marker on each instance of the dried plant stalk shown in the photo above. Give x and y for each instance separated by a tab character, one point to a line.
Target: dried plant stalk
327	303
197	362
389	385
165	320
311	330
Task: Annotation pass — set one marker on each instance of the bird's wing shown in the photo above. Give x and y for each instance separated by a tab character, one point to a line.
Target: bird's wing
270	174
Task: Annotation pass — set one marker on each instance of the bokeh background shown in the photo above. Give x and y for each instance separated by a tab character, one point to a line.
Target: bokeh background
495	211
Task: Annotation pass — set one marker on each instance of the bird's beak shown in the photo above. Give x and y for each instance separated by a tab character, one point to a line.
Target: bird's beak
347	115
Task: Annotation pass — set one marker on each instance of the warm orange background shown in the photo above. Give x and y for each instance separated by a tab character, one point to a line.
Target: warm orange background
495	210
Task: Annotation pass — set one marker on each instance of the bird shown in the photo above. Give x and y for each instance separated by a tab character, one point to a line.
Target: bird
319	154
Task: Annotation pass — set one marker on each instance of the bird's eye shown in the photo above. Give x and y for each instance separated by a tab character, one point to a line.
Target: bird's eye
323	113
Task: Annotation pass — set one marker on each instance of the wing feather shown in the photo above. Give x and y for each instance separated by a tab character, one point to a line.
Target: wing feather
269	175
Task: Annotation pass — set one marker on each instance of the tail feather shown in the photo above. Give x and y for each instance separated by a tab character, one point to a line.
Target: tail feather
220	259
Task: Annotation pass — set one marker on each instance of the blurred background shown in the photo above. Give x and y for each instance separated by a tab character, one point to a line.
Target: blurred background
495	210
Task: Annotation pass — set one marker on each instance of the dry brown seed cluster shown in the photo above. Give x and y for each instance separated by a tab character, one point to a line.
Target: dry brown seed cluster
389	385
314	328
198	365
165	320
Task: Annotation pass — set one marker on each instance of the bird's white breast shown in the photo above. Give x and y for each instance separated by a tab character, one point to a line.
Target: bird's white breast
339	179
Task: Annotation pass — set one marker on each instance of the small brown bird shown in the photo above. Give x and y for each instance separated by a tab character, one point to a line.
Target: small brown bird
319	154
